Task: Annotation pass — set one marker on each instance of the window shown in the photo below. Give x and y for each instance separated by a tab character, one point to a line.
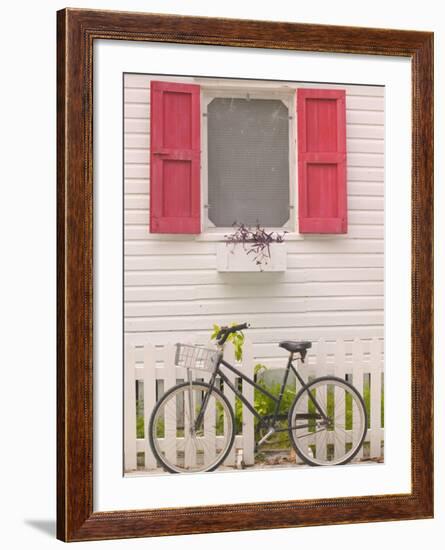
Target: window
247	155
247	161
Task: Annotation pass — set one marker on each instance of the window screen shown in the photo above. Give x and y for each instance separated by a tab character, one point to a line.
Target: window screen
248	162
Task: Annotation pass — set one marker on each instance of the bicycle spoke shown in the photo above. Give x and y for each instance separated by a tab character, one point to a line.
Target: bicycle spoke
181	445
310	433
341	439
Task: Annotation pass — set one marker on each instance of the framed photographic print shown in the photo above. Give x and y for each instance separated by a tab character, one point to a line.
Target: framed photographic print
244	275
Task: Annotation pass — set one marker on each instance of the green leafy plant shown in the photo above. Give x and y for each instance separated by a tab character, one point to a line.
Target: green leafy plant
265	406
140	426
237	339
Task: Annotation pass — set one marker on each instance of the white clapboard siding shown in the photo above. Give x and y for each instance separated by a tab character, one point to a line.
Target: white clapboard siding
260	320
137	187
365	188
320	273
252	305
136	125
354	146
137	110
150	364
366	103
139	232
333	285
364	131
227	291
157	245
293	259
202	283
353	116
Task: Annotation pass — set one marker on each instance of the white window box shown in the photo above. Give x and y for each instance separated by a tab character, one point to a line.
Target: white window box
234	258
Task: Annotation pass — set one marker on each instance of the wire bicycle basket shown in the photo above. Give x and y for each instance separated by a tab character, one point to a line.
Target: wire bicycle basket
196	357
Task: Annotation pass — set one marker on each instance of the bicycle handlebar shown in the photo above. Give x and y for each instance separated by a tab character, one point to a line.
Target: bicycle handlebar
224	332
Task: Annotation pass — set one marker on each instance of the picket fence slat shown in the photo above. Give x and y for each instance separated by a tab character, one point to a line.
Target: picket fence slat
130	461
248	418
321	441
169	382
153	365
340	372
149	374
210	428
376	389
230	357
357	377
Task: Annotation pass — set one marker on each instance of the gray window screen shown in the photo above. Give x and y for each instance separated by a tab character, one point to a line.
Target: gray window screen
248	162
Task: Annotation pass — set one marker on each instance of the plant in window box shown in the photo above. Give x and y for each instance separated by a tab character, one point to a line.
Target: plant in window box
262	249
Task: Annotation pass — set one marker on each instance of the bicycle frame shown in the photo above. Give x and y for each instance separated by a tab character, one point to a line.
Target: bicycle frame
277	400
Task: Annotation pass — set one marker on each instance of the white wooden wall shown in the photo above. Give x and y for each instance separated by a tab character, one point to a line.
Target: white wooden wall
333	285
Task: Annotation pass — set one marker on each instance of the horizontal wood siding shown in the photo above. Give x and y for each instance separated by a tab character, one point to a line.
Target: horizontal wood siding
333	285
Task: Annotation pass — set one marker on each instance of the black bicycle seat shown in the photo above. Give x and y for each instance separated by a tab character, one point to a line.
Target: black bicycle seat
293	347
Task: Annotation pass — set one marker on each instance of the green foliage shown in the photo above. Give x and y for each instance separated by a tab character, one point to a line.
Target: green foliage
238	416
367	399
237	339
266	406
219	422
140	427
263	404
348	411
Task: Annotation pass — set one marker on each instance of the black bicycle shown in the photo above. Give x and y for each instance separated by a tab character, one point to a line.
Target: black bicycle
192	427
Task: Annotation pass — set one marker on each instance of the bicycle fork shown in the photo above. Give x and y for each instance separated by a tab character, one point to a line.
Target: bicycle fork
191	402
196	424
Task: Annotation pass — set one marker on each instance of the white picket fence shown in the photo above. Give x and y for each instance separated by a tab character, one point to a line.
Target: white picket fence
150	372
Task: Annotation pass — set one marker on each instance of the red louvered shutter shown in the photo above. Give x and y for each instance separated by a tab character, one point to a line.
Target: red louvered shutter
322	205
175	158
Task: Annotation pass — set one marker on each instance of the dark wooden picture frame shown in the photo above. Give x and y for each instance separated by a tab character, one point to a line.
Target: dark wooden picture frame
77	31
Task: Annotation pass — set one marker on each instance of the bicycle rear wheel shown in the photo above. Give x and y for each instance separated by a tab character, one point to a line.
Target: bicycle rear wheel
181	446
330	428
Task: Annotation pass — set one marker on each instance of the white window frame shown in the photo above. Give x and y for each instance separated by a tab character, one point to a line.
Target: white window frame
284	93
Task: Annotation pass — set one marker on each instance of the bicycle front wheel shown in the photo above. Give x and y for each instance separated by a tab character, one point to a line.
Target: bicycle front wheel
182	445
329	426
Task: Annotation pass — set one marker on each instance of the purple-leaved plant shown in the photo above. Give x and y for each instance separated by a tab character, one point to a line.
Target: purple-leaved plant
255	241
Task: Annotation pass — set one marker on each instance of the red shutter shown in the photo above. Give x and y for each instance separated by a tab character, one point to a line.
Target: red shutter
175	158
322	205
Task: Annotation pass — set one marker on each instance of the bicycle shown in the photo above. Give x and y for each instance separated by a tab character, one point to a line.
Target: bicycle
192	427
